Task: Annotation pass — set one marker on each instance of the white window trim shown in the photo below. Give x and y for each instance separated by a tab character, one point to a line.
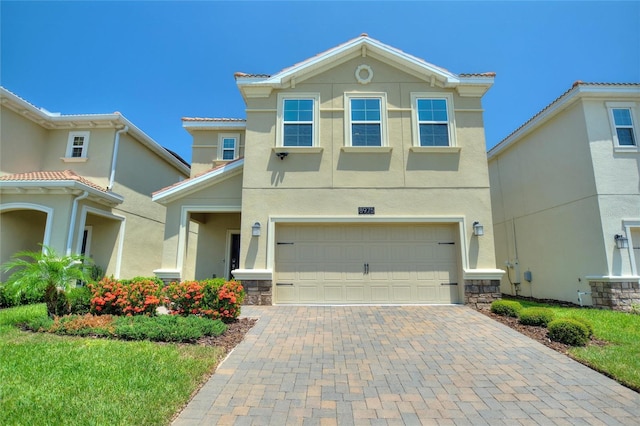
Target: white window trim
221	138
315	126
415	123
384	143
85	147
614	133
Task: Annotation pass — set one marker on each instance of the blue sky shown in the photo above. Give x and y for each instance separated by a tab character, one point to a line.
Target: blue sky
156	62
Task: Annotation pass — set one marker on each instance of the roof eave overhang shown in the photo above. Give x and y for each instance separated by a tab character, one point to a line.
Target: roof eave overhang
88	121
195	184
261	87
578	91
190	125
37	187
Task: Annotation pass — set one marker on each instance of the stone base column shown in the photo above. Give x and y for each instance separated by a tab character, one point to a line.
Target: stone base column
168	276
258	292
480	294
613	294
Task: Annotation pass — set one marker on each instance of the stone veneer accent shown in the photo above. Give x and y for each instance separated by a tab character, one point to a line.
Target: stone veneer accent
258	292
616	295
480	293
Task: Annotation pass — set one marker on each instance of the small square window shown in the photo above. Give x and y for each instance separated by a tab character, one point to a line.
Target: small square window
77	145
228	146
624	126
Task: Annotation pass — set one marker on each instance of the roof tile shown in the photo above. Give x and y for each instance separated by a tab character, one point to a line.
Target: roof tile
51	176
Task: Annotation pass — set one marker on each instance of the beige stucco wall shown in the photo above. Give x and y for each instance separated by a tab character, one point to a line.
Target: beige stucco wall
559	194
218	198
335	183
204	151
22	143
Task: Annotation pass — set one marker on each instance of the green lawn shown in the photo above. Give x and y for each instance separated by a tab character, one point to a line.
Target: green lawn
619	359
50	379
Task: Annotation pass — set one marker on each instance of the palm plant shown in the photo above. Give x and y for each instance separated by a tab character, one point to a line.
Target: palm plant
44	271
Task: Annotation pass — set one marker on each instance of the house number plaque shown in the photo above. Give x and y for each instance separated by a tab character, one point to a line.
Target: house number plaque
366	210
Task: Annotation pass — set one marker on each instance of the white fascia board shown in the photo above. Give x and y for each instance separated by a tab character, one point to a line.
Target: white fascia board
253	274
71	184
194	183
613	278
214	125
483	274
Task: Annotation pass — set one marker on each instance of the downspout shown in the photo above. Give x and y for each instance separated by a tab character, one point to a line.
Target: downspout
72	223
114	160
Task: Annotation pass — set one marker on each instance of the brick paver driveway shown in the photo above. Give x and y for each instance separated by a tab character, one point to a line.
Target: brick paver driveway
401	365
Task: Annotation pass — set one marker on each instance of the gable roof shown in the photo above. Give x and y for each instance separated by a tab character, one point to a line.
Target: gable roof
364	46
66	180
577	90
115	120
199	181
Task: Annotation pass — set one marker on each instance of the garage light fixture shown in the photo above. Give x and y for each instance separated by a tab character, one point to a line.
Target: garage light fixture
622	242
478	229
255	229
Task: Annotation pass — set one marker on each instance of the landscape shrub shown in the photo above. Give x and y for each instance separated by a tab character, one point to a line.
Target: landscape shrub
167	328
79	299
83	325
10	296
214	298
506	308
140	296
584	322
569	332
536	316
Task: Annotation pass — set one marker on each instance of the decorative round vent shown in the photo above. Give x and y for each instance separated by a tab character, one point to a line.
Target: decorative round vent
364	74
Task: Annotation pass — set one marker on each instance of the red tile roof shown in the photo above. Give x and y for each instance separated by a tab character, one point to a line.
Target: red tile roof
51	176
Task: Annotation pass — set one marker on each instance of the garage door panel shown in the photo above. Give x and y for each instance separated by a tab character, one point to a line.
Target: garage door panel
380	294
406	264
308	293
285	293
354	293
401	293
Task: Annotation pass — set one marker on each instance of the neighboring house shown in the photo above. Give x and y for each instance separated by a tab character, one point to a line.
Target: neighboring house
82	184
356	177
565	193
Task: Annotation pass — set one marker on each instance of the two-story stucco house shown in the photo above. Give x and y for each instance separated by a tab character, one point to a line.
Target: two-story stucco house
565	191
356	177
82	184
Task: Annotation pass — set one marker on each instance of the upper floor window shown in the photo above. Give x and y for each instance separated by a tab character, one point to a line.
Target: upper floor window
77	145
433	123
621	116
624	126
298	119
366	119
228	146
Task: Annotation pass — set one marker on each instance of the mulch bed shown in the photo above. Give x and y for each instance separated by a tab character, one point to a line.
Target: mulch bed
230	338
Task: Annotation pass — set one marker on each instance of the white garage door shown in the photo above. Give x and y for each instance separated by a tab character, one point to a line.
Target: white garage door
366	264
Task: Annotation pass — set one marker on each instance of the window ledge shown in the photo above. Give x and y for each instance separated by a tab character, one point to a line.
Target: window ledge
298	149
630	148
367	149
74	159
436	149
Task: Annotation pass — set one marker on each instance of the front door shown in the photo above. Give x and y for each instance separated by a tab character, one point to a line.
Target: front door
234	254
